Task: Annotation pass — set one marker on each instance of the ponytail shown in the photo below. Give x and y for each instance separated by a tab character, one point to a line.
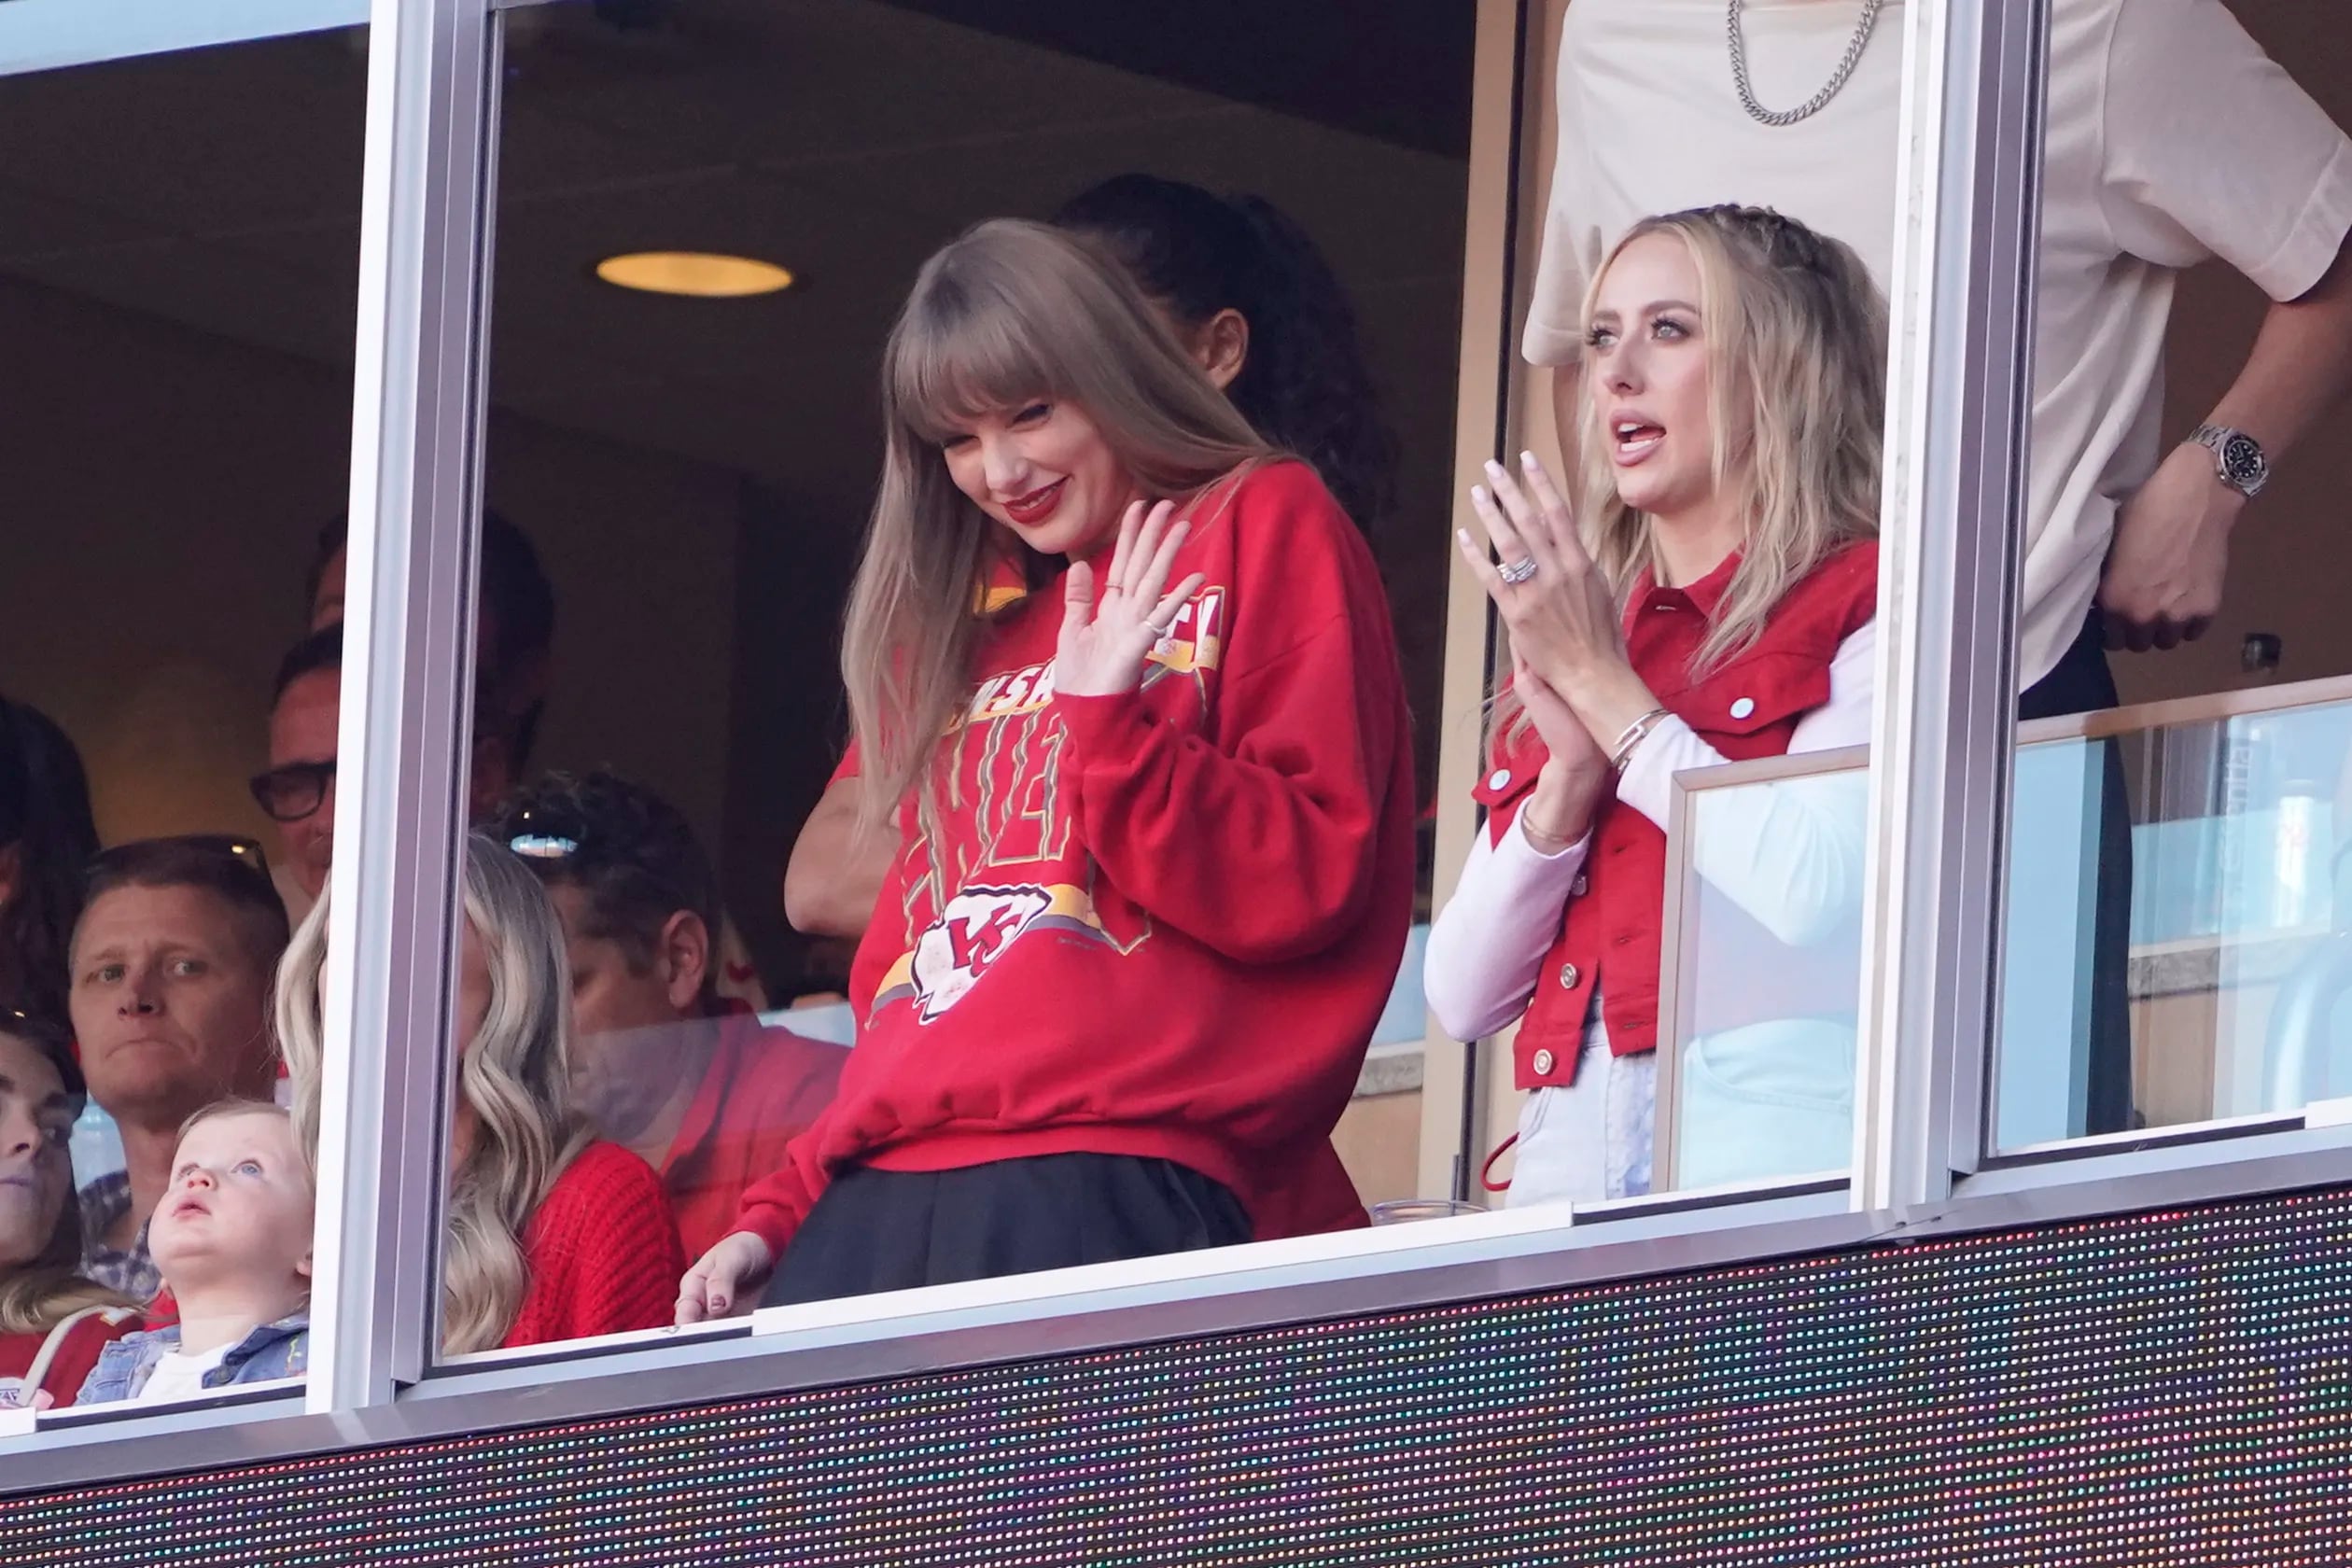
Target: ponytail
1305	385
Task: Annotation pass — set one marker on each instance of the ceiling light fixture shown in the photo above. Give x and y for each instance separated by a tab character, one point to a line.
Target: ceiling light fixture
697	275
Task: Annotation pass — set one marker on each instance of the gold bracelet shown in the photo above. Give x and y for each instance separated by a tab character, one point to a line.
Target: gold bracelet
1632	736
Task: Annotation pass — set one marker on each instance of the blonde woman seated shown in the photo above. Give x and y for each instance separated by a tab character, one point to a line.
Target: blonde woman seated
1714	604
553	1234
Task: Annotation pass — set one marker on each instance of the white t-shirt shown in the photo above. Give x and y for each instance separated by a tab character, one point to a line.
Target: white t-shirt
2172	139
180	1377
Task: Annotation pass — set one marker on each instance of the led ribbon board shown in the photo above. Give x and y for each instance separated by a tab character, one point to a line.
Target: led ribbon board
2173	1389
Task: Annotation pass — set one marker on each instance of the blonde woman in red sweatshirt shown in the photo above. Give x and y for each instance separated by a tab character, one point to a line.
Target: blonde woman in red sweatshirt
1158	861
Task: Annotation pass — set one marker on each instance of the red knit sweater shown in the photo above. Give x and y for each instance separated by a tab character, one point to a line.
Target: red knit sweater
603	1251
1161	923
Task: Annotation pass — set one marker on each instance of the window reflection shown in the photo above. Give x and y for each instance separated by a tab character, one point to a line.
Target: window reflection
552	1232
178	326
695	476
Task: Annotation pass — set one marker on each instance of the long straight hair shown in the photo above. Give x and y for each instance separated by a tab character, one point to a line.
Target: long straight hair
37	1295
514	1074
1012	313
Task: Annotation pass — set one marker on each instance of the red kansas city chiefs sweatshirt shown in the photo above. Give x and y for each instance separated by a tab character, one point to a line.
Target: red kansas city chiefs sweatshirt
1161	923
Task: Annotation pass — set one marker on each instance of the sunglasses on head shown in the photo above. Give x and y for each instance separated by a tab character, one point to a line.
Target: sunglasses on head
293	790
545	837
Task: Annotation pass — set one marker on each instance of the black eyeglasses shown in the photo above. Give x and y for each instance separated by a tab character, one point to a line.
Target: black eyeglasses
294	790
235	848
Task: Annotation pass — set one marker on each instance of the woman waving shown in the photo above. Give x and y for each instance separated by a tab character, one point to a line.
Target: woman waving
1157	859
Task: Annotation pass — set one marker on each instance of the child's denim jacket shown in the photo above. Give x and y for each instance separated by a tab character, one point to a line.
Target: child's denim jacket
278	1350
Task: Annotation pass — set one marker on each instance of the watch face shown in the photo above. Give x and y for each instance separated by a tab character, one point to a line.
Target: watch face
2242	460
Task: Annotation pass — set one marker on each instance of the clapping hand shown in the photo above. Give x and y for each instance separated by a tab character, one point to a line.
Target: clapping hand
1106	632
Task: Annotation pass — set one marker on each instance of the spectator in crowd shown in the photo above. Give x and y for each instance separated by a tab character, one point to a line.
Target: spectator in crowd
47	838
298	791
1733	392
707	1097
232	1239
171	965
552	1234
514	636
1166	807
1251	299
2170	139
53	1321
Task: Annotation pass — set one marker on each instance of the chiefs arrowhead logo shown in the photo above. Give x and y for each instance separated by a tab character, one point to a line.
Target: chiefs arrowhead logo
966	939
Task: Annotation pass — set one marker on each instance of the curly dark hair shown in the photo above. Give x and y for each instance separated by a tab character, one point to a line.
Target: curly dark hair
45	817
1305	384
629	850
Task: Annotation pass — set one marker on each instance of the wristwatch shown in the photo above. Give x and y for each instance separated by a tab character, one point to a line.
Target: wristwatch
2238	458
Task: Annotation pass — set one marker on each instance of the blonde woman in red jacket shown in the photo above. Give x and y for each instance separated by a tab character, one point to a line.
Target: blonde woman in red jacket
1158	861
1716	605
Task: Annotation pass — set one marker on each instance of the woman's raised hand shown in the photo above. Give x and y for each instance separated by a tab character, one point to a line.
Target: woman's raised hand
1562	612
1107	631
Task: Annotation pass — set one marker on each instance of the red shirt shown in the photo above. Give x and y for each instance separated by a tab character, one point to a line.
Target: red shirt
1162	923
603	1253
77	1344
1746	705
765	1088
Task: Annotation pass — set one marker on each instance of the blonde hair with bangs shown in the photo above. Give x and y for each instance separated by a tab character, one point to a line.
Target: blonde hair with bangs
515	1074
1009	314
1796	335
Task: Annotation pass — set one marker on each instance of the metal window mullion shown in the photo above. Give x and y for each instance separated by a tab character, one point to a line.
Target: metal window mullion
405	723
1959	397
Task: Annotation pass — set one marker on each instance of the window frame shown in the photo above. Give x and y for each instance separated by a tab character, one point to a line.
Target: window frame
1957	429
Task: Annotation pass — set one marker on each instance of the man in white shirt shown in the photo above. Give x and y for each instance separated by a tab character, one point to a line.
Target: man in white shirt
2171	139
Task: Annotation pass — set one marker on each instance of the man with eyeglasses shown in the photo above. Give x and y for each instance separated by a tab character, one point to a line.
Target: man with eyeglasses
172	964
299	789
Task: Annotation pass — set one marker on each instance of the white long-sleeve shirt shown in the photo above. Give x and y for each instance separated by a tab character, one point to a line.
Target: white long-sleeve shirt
1790	856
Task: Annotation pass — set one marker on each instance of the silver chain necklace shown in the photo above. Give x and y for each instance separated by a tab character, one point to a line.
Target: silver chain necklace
1813	106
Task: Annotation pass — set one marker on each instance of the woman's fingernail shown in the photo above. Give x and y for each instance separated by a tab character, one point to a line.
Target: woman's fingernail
1477	494
1528	460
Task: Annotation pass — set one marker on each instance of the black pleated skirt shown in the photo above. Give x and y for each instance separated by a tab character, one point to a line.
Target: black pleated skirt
882	1230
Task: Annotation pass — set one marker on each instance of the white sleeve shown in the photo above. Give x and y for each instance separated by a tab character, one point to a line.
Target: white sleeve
1788	853
1571	237
1488	942
2210	148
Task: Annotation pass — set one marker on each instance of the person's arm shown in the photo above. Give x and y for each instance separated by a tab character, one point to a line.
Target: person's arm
2210	148
1789	854
1259	837
1487	946
836	870
2165	575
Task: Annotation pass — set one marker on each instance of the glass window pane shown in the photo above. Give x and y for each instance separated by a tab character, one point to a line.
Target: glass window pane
2148	871
176	294
2238	973
1766	981
681	462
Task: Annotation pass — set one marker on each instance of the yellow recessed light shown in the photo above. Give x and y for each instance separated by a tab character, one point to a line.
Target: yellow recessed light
697	273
